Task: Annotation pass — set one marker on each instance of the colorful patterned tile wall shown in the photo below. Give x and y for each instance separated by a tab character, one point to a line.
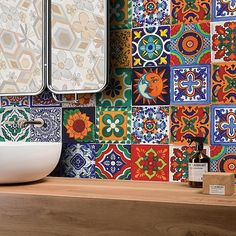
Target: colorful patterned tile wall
173	76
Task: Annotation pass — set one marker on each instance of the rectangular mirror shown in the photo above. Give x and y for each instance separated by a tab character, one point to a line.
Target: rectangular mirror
78	33
21	47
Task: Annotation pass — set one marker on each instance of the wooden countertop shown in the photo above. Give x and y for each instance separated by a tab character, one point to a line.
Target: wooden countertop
119	190
85	207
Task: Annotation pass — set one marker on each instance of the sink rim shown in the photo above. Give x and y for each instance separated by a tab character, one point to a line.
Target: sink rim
21	144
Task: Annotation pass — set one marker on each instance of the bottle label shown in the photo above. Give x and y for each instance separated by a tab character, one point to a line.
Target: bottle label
196	171
217	189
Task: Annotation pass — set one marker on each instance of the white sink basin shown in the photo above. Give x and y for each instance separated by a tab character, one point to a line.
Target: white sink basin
25	162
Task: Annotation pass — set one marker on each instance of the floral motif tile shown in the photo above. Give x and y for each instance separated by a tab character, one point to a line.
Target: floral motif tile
151	86
224	10
150	125
121	49
51	129
78	160
189	121
223	159
15	101
190	11
190	84
78	124
118	91
44	99
84	100
113	125
223	41
151	13
179	156
9	129
150	162
113	161
190	44
121	14
223	124
223	83
151	46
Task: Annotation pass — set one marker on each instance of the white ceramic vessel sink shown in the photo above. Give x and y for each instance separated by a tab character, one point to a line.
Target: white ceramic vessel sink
25	162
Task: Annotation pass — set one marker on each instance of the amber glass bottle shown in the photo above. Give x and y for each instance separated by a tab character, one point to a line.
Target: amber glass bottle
199	163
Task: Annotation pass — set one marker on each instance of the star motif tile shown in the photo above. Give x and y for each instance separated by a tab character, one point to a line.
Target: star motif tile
189	121
121	14
190	11
223	159
190	84
223	83
151	46
9	128
150	125
151	86
78	160
223	41
113	161
150	162
150	13
118	91
223	124
121	48
113	125
51	129
190	44
224	10
78	125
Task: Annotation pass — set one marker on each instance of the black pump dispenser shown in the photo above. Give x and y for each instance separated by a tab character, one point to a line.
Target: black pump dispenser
199	163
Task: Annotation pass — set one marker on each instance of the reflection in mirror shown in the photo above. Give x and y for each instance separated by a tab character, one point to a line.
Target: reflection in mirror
21	47
78	31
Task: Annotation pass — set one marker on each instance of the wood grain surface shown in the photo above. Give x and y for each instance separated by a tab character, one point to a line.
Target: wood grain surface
113	208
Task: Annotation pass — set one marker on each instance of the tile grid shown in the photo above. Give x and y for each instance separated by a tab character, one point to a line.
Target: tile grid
161	91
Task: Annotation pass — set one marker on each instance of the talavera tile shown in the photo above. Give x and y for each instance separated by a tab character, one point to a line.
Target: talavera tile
188	11
51	130
121	14
223	124
84	100
151	13
179	157
78	125
15	101
223	159
189	121
190	44
113	161
224	10
223	83
151	46
151	86
113	125
78	160
223	41
150	125
118	91
9	129
150	162
121	49
190	84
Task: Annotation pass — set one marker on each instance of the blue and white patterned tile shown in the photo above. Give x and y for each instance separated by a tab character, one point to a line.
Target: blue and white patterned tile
78	160
51	130
190	84
15	101
223	124
224	10
9	129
